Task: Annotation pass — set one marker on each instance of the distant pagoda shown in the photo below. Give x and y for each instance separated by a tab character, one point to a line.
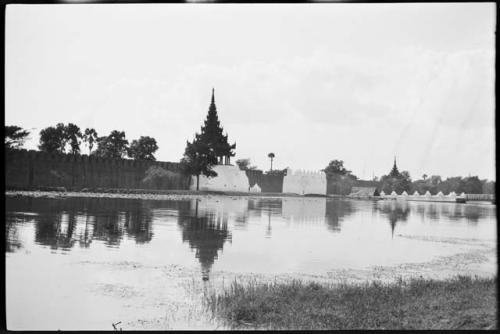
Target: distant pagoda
394	172
212	134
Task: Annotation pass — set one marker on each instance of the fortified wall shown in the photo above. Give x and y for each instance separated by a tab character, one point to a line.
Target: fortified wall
267	182
229	178
33	169
304	182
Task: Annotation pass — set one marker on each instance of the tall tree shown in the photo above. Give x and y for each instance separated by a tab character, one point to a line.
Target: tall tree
61	129
244	164
488	187
336	168
113	146
199	158
73	135
52	139
90	137
271	156
472	185
143	148
15	137
339	179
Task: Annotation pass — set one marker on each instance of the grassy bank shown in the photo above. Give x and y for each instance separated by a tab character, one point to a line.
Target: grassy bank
459	303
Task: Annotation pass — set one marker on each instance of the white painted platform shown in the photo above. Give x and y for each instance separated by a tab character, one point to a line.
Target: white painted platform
229	178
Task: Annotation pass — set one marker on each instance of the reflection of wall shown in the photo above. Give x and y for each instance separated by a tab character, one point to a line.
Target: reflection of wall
220	205
273	205
304	209
454	211
229	178
304	182
61	223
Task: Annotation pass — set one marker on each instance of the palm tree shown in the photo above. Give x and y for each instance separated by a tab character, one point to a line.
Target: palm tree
271	156
90	137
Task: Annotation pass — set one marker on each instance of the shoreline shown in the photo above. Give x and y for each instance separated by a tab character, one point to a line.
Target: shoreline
147	194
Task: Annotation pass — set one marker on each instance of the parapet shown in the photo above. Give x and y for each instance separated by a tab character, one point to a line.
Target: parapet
92	159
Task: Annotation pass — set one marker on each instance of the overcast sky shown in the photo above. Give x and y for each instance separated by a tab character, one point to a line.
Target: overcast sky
309	82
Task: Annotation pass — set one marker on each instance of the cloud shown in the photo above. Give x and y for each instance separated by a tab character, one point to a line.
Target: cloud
308	92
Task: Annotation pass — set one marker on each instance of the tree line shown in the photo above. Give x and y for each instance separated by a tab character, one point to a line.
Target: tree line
67	138
401	181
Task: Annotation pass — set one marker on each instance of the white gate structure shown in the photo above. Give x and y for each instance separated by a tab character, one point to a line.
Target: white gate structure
304	182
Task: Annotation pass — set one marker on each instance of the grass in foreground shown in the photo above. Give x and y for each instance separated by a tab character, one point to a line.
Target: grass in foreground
458	303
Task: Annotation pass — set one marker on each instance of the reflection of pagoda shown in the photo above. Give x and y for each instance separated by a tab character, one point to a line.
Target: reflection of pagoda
396	212
212	134
206	234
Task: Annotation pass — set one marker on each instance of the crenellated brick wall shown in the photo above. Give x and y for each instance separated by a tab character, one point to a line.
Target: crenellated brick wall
268	182
34	169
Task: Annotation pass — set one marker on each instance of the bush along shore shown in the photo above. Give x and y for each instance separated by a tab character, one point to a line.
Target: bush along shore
458	303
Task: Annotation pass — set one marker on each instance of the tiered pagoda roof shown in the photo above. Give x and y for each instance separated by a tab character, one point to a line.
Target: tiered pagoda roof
212	133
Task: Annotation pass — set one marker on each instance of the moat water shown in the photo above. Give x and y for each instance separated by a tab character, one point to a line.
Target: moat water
88	263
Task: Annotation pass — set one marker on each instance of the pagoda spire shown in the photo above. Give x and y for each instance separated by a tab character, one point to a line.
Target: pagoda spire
394	172
212	134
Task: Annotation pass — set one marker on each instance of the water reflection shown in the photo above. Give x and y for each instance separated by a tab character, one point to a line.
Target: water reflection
64	223
205	232
335	213
395	211
133	258
205	224
453	211
399	211
12	242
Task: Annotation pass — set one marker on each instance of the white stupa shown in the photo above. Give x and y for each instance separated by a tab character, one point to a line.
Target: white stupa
255	189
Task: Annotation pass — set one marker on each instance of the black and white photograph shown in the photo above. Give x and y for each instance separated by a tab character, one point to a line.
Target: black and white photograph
205	165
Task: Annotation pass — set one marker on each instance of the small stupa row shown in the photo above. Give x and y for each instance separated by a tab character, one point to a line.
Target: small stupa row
427	194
